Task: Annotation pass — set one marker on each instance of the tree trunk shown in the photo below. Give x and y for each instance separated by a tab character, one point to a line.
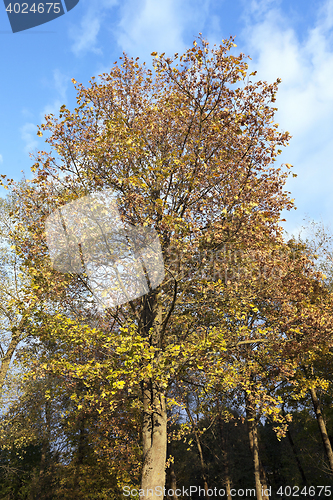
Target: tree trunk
322	427
297	458
154	440
154	428
253	439
33	485
17	335
263	477
254	445
299	465
171	480
42	488
80	454
259	471
226	468
202	461
224	453
6	359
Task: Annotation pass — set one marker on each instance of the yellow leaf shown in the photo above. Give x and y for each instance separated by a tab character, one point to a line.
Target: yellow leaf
120	384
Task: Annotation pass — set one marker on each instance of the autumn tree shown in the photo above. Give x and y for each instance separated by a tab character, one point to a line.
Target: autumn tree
314	371
188	147
17	301
272	314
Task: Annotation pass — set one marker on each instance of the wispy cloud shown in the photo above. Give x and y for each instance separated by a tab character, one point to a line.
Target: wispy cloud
305	98
155	26
1	159
160	26
51	108
85	35
29	137
60	84
141	26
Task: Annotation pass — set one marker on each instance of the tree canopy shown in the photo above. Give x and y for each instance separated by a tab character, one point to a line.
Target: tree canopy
237	329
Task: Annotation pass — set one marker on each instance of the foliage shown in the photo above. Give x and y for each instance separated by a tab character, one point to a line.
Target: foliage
189	149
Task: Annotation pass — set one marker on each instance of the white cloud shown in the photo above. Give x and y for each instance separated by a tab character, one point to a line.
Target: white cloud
29	136
306	69
304	100
1	159
85	35
29	130
53	108
27	113
60	83
141	26
148	25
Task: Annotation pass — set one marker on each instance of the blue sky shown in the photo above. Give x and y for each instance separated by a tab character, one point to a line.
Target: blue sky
289	40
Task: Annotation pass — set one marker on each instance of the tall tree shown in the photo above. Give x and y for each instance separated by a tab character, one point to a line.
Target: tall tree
187	152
